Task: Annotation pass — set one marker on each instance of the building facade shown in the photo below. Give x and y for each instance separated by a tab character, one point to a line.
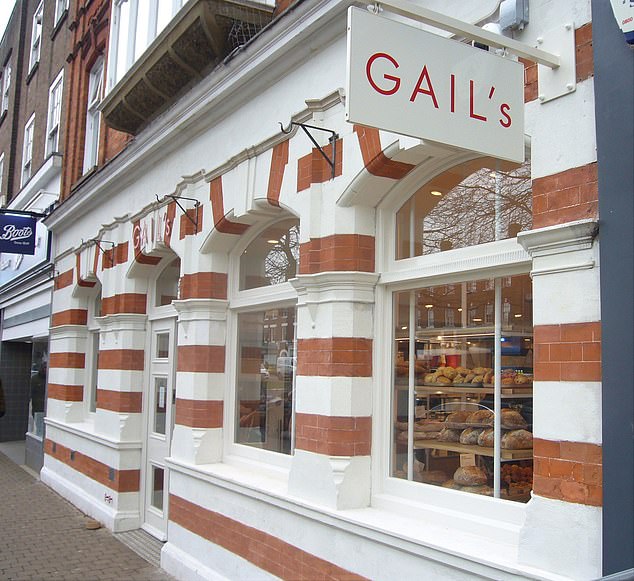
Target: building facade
292	346
34	50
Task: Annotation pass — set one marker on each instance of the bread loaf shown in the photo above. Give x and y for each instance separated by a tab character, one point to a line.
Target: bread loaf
517	440
512	419
458	417
486	438
480	417
449	435
470	476
469	437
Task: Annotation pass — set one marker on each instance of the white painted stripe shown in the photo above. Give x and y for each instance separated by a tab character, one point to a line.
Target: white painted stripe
334	396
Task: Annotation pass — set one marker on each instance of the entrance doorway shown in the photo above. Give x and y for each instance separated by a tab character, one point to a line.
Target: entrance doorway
160	416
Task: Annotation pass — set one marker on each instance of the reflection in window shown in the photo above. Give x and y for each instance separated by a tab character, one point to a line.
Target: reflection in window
266	379
160	404
479	201
453	387
158	477
167	284
272	258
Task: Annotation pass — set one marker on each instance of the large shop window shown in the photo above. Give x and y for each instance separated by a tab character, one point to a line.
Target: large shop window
266	341
462	355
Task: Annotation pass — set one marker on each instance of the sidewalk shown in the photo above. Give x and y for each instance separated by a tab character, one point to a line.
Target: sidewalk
43	537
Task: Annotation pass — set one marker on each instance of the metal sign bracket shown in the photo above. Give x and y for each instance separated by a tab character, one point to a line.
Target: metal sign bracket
332	140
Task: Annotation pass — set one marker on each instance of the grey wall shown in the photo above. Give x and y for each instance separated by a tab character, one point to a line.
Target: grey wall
614	89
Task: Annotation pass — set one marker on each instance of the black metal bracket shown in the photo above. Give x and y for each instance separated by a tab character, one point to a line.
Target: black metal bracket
98	244
196	205
22	213
332	140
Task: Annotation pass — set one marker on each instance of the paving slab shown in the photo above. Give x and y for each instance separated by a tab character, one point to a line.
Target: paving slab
45	537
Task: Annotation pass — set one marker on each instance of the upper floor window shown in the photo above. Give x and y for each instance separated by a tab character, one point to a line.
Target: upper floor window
478	201
167	284
135	24
27	150
93	115
54	114
36	36
6	86
272	258
61	6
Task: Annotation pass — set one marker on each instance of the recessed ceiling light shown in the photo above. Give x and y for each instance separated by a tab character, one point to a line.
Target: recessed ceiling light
477	320
517	315
429	306
435	193
272	241
404	328
460	310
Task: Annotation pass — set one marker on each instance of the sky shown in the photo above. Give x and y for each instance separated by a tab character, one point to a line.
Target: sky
6	6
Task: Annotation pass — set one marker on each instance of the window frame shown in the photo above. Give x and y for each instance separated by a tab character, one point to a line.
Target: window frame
280	296
61	8
93	115
27	151
6	86
496	259
36	36
93	348
2	193
55	96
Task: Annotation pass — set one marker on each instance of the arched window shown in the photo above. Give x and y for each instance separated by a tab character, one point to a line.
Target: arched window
272	257
479	201
167	284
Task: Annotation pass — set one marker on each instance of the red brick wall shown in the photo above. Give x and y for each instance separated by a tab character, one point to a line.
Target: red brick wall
120	401
335	357
124	303
263	550
314	169
122	480
337	252
69	317
204	285
201	358
199	413
122	359
333	436
65	392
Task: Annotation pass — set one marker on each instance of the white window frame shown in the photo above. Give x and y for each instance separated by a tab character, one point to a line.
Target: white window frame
6	86
2	194
280	296
490	260
36	36
92	354
54	114
61	7
27	150
93	115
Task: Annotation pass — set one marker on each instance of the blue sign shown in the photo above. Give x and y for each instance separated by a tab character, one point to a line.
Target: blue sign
17	234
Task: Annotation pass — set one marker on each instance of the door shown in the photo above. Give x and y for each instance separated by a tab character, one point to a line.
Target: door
161	399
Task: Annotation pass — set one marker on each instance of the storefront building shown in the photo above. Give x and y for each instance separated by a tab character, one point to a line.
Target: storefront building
292	346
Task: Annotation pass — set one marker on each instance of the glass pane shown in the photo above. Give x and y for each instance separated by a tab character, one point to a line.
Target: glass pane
475	202
266	379
167	284
162	345
272	258
158	477
39	364
160	404
444	343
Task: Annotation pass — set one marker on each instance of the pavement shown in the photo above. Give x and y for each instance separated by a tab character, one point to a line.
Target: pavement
44	537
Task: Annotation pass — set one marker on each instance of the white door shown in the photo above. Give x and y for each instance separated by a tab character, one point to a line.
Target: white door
161	399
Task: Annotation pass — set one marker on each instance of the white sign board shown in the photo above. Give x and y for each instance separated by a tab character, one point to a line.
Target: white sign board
408	81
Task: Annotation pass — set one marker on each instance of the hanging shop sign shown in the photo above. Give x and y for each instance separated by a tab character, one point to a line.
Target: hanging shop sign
152	232
17	234
408	81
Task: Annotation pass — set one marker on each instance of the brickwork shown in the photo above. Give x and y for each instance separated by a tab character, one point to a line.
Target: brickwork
189	227
117	480
334	357
333	436
124	303
204	285
374	160
122	359
569	352
120	401
69	317
67	360
314	169
64	279
337	252
221	222
263	550
201	358
114	256
65	392
565	197
279	160
569	471
199	413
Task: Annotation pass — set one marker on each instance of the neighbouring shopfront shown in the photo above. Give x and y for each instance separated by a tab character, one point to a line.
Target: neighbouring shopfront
375	357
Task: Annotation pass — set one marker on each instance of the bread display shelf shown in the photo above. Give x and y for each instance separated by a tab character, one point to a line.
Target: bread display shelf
460	390
467	449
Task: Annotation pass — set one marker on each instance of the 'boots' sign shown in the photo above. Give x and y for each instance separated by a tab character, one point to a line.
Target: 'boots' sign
408	81
17	234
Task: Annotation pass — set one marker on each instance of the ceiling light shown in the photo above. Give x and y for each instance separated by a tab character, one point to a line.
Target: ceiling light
460	310
477	320
404	328
429	306
272	241
517	315
435	193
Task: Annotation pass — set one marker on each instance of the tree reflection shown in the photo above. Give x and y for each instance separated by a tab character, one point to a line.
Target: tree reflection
280	264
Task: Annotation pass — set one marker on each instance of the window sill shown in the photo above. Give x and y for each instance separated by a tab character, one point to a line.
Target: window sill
391	521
